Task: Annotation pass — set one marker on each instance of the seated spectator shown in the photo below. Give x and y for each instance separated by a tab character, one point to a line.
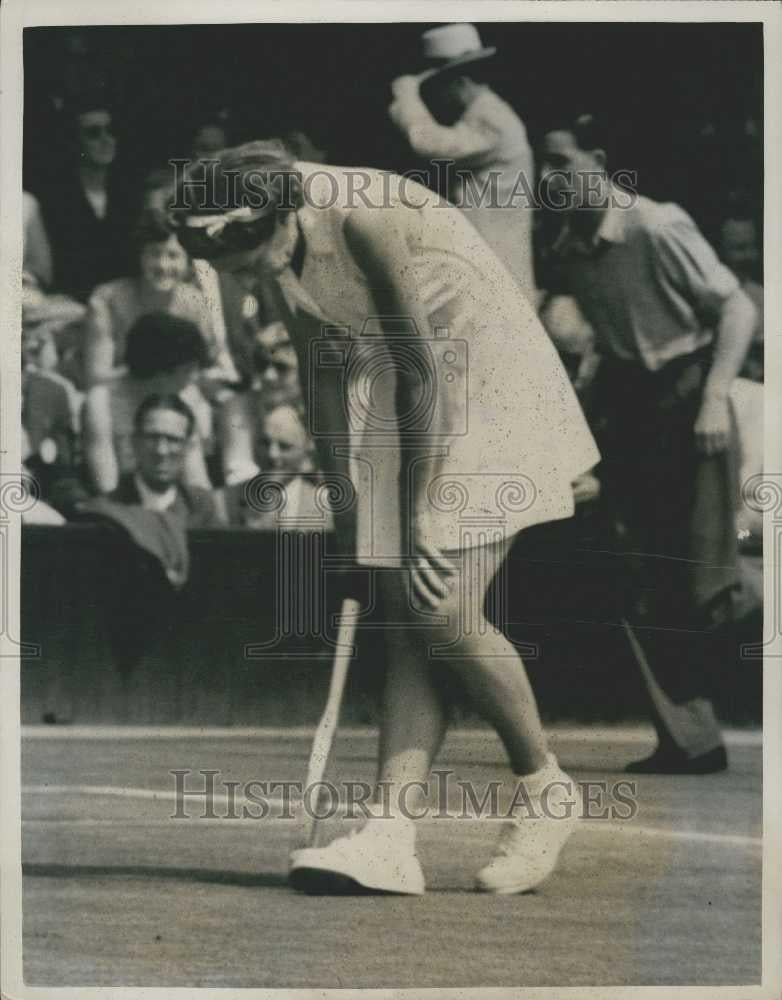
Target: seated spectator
289	464
37	261
87	210
50	403
207	135
163	425
152	508
157	190
161	284
38	511
740	250
226	312
165	355
54	323
232	311
275	383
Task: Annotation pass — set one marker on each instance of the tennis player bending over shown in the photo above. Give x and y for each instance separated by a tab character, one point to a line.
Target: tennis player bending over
484	413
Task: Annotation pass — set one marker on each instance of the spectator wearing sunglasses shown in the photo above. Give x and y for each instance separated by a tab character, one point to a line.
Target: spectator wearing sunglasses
275	383
165	356
88	208
161	284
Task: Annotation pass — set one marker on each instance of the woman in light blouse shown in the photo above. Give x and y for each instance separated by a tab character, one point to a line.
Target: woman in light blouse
162	284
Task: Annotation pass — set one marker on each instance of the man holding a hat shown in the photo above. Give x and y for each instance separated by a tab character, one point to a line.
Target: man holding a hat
446	115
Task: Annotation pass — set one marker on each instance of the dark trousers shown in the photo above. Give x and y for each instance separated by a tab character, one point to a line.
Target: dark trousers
674	512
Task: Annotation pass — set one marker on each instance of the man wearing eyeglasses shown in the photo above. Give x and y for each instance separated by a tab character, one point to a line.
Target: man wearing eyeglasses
163	426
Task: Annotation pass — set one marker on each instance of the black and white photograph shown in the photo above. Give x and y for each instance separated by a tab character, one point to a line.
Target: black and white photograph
390	499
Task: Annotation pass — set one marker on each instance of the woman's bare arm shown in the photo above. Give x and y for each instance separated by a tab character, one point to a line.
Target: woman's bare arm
98	343
98	441
377	240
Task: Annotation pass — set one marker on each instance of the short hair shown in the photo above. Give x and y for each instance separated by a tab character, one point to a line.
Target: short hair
157	401
258	174
586	129
158	343
153	226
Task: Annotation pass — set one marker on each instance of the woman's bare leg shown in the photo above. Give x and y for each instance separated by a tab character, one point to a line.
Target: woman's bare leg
382	857
489	667
415	714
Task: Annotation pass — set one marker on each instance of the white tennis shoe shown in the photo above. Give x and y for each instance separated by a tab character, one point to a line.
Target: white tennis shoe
528	847
378	858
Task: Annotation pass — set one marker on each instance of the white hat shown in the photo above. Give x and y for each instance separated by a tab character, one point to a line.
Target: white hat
453	45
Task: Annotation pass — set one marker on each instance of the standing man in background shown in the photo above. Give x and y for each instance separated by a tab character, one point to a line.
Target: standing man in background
447	115
673	327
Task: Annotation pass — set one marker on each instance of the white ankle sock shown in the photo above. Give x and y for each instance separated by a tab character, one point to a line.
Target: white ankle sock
537	780
401	828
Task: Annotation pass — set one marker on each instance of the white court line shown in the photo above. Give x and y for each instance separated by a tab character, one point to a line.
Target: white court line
164	795
582	734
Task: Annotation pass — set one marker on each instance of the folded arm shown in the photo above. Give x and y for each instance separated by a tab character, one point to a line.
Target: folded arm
466	139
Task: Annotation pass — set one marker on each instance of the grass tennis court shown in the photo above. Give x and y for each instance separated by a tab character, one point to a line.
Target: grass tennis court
117	893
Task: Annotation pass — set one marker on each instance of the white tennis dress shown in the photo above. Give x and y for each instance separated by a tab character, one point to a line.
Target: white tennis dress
509	431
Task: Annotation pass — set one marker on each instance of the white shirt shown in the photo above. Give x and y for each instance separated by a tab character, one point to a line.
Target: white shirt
151	499
98	200
648	282
293	497
493	171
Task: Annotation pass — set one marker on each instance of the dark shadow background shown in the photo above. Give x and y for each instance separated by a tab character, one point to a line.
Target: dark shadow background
682	103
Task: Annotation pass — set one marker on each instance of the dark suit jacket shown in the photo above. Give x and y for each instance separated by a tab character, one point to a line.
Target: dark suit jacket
194	506
89	251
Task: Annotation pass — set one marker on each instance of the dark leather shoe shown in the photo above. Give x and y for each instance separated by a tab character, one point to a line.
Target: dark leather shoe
677	762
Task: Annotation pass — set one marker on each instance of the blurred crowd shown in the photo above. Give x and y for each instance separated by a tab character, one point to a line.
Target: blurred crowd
155	384
115	314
